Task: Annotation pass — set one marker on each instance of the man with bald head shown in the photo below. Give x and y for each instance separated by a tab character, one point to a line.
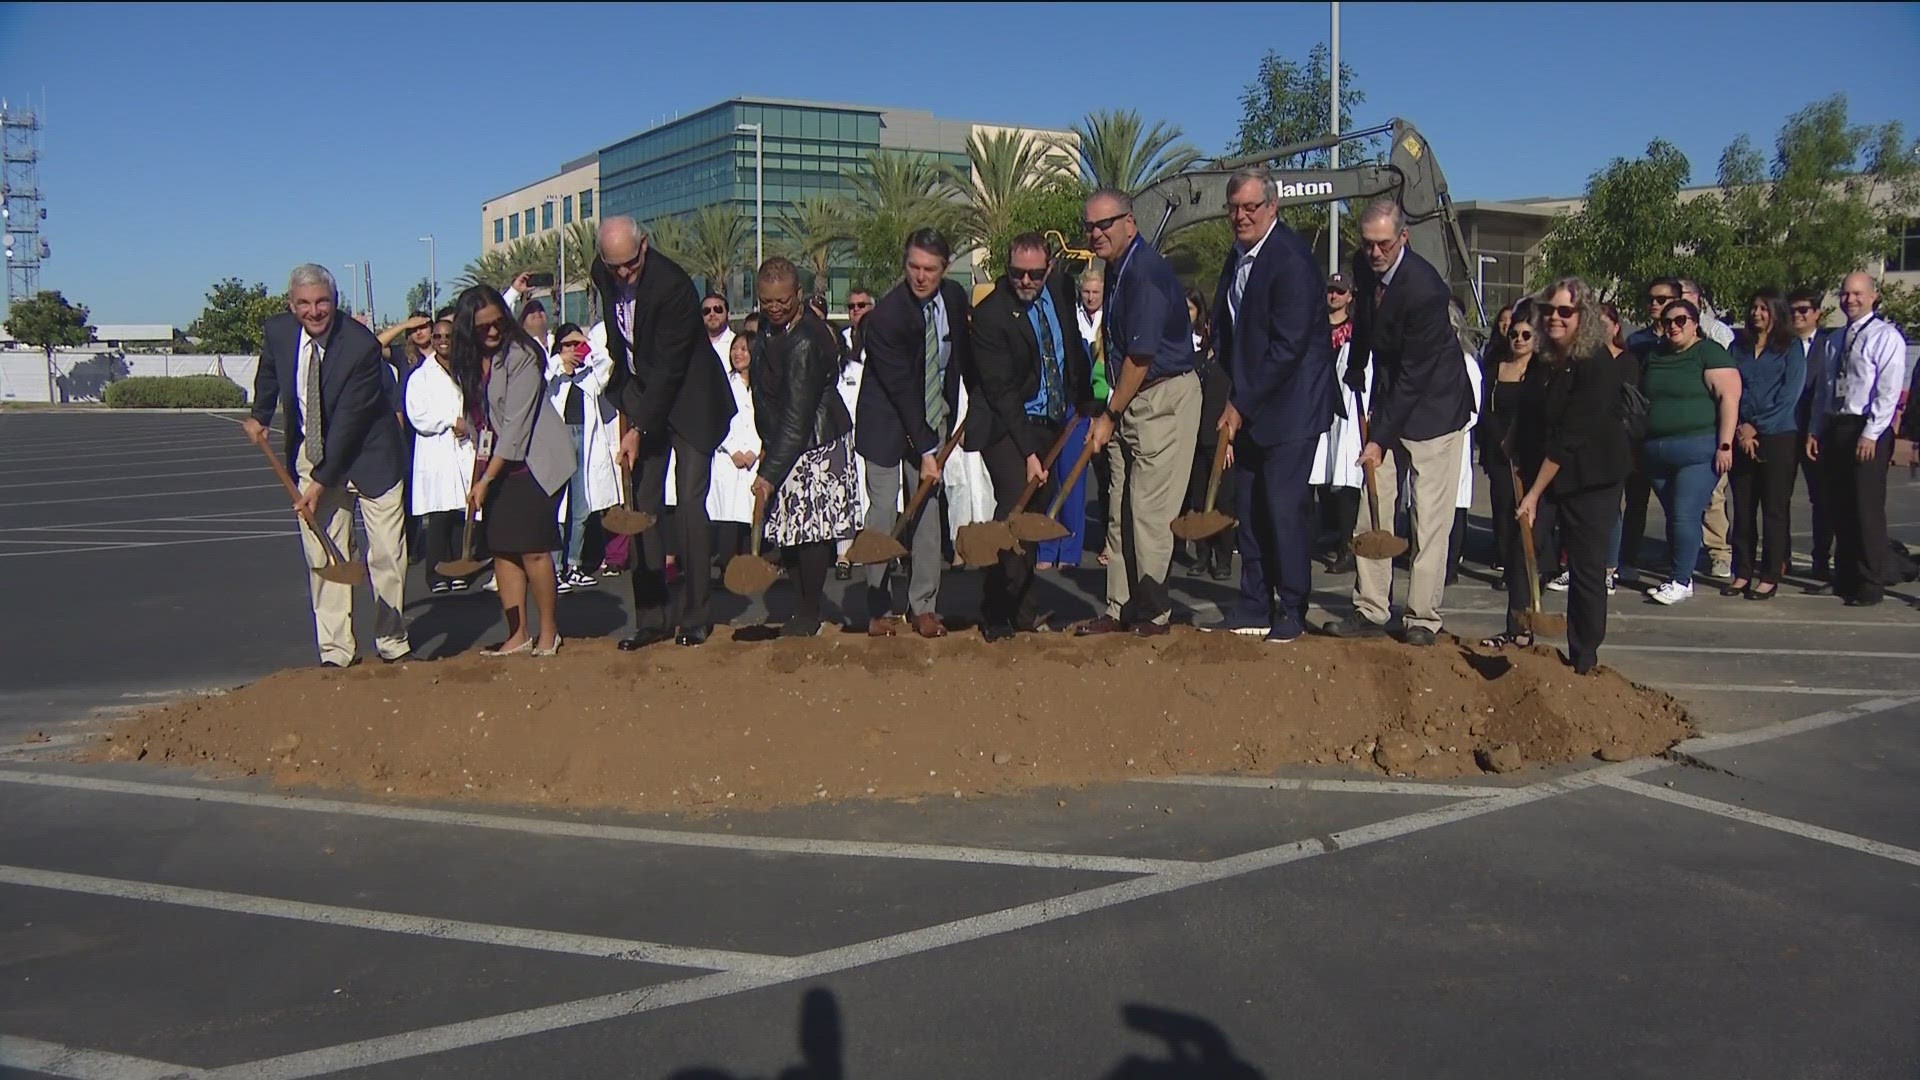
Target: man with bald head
1862	370
676	408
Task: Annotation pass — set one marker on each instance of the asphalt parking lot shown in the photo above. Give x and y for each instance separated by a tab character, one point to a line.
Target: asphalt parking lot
1749	907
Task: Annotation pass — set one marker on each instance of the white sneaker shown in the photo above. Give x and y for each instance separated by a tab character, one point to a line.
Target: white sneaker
492	585
564	584
1671	593
1563	582
1613	582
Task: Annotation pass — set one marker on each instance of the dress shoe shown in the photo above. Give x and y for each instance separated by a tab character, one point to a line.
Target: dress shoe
640	639
1105	624
693	635
884	626
1222	571
800	628
1418	635
929	626
1354	626
1864	601
1152	629
1343	563
995	632
333	664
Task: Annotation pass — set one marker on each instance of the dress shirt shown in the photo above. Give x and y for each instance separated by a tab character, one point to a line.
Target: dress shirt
1862	372
945	352
1089	324
1386	279
1243	269
723	346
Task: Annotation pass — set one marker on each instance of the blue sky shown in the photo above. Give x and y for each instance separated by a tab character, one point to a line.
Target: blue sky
187	143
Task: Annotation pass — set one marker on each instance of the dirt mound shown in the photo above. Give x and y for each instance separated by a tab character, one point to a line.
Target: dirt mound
845	716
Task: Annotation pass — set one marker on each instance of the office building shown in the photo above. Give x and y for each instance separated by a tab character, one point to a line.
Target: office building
570	195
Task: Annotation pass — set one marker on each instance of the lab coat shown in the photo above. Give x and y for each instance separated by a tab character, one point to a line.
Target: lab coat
442	461
1334	459
730	496
1464	500
600	430
969	485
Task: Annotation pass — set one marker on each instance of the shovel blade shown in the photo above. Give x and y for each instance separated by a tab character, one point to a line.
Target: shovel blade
625	521
749	575
346	573
1379	544
873	546
459	567
1199	526
1037	528
1543	623
981	543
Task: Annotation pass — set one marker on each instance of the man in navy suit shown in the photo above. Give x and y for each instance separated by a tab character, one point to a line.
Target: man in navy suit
1270	333
344	444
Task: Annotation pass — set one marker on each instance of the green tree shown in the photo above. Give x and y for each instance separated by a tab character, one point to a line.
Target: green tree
896	194
669	236
1635	227
719	238
1900	305
233	321
812	233
420	297
1286	103
46	321
1002	165
1055	207
1198	253
1117	150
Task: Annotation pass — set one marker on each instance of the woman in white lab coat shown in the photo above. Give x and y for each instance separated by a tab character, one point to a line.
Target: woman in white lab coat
1463	501
442	458
730	495
1334	461
969	488
577	375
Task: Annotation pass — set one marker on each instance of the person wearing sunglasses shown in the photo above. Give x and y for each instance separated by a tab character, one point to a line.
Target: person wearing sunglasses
577	379
1804	314
714	314
1152	418
1500	409
673	393
1765	448
853	370
442	458
1693	393
1862	375
1335	470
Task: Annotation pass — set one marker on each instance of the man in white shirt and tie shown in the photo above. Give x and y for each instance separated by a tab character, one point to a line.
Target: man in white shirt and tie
1863	369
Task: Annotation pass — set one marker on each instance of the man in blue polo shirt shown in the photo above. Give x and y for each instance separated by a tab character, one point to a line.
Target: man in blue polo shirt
1152	419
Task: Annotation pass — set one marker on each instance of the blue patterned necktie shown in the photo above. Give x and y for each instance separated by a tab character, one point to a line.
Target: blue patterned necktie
1049	365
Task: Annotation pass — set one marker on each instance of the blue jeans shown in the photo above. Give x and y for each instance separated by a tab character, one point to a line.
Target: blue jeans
1680	470
577	512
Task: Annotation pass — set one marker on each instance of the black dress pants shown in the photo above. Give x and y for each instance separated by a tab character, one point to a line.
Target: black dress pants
1857	496
1506	531
440	537
1762	489
1814	475
1010	581
1633	527
1584	520
685	532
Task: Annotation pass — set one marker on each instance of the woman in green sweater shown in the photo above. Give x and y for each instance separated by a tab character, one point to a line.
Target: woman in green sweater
1693	388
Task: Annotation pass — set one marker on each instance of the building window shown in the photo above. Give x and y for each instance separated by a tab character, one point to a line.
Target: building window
529	221
513	227
566	210
499	231
586	203
546	216
1905	255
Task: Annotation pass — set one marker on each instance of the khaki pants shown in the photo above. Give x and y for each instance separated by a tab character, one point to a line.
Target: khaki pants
1714	526
1435	466
1149	460
386	521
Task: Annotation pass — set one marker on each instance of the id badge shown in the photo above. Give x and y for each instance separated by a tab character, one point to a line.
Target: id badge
484	449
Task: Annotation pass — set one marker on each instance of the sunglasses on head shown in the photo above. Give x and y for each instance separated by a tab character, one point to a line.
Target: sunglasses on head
1676	320
1103	224
1018	274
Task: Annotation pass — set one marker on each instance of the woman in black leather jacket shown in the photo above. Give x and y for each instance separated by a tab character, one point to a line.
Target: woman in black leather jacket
807	478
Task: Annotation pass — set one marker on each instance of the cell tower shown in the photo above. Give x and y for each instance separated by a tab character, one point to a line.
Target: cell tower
20	209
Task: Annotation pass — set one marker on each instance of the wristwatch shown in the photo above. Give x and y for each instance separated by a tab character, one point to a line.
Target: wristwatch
1726	446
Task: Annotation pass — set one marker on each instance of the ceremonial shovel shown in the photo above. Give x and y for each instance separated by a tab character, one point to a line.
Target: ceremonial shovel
1533	620
624	520
751	575
1375	543
1200	524
1035	529
338	570
981	543
877	547
466	565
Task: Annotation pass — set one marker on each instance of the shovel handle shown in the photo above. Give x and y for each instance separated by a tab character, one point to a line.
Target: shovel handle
759	523
1053	455
1526	543
1219	466
286	479
466	543
1060	497
920	495
1373	492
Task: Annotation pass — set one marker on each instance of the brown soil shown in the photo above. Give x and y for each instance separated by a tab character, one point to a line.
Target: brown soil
737	724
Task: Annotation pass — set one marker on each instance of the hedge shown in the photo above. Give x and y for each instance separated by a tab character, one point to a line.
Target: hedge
179	392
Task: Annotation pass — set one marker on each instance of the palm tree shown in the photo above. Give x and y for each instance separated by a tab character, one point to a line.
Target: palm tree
1003	164
582	239
1116	152
717	244
668	235
813	232
893	196
498	268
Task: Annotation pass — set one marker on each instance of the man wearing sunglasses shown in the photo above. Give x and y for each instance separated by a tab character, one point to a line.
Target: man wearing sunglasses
677	408
1804	314
1270	334
1152	418
1421	403
713	312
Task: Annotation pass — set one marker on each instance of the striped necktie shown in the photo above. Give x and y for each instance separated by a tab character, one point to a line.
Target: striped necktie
310	434
936	377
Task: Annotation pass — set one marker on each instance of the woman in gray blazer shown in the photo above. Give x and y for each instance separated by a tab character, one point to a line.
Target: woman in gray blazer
524	460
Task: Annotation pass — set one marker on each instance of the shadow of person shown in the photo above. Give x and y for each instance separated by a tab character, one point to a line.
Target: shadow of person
822	1045
1196	1050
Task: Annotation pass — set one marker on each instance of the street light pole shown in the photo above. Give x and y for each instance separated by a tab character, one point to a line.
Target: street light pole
433	278
1333	160
560	267
759	192
1480	278
354	269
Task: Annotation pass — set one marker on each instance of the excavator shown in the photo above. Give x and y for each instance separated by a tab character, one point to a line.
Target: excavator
1411	177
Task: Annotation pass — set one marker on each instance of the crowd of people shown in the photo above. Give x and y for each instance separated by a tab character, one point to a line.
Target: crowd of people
501	435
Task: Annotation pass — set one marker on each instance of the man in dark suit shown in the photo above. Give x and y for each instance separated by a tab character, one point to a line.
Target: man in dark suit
344	445
1420	404
917	346
676	407
1270	332
1032	373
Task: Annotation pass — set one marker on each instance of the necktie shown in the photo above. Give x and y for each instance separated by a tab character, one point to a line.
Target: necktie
936	381
1379	294
1049	365
310	445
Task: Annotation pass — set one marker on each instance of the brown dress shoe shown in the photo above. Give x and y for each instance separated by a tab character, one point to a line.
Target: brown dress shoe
884	626
929	626
1105	624
1152	629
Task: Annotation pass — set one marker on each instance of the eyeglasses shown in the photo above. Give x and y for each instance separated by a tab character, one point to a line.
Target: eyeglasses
1379	245
1018	274
1676	321
859	305
630	265
1244	207
713	311
1519	335
1801	309
1103	224
1561	310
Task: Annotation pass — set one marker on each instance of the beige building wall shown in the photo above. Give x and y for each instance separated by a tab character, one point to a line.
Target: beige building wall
573	178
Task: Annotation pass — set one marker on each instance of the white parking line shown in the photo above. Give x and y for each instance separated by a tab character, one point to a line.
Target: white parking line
140	495
53	1059
605	948
1731	650
123	478
1358	787
242	516
155	544
1717	620
79	455
1743	688
1107	864
1768	821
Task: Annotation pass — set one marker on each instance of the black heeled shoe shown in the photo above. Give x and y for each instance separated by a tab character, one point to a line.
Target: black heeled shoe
1753	593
